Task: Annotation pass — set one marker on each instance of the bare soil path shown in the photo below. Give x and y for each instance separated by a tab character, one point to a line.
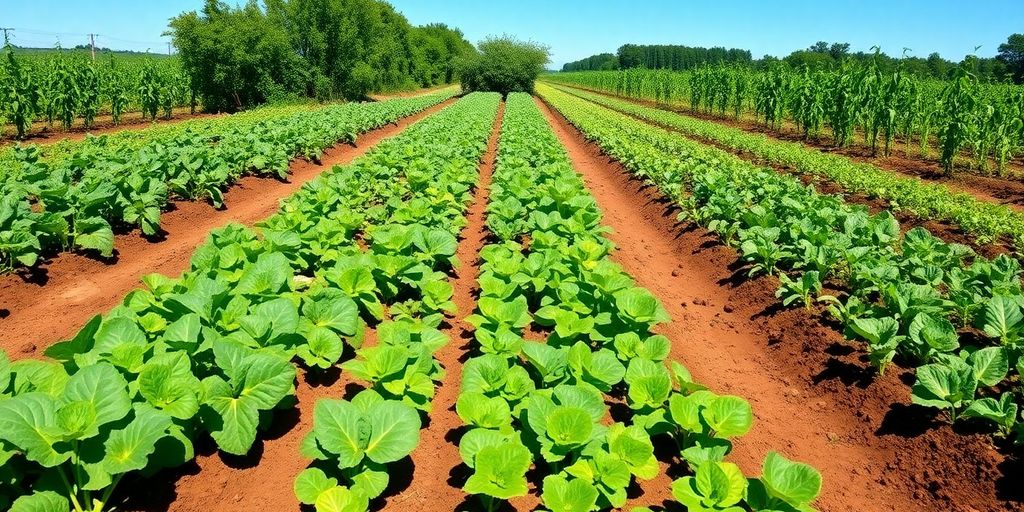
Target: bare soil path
814	398
53	301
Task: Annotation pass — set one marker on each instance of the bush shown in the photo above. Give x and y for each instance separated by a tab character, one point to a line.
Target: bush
504	64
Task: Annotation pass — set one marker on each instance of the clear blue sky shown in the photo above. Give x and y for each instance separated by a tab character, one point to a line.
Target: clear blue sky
577	28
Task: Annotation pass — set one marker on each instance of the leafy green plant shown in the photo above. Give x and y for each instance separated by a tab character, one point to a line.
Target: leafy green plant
354	440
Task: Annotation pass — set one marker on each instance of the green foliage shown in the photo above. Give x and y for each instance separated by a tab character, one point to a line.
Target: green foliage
213	353
504	64
240	57
542	404
19	94
104	183
910	297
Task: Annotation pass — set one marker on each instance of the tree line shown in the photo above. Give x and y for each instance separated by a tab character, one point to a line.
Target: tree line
1007	65
659	56
242	56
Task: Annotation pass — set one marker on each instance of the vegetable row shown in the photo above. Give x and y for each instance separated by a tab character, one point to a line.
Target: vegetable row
76	203
955	315
214	352
987	221
354	440
537	404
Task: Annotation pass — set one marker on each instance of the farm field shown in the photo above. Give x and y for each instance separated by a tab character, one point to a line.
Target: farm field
382	267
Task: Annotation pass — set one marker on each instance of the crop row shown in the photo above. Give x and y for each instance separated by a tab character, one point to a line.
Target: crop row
76	202
961	113
939	306
986	221
59	88
353	441
214	352
528	403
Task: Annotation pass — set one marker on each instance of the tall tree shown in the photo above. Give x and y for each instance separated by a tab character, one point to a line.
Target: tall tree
1011	53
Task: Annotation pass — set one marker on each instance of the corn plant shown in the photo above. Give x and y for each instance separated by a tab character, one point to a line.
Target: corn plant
958	102
149	92
89	95
19	94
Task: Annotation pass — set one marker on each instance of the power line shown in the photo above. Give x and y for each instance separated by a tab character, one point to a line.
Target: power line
90	36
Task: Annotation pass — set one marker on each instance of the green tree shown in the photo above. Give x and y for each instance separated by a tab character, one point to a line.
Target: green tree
505	65
1011	53
235	57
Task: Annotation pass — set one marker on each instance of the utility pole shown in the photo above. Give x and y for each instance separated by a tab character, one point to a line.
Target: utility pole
92	44
168	47
6	30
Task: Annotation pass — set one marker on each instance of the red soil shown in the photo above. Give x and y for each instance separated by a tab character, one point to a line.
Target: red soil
51	302
815	398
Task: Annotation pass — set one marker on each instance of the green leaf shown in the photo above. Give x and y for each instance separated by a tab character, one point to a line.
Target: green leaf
118	331
128	449
184	332
340	499
569	426
500	471
478	438
729	416
268	275
28	422
721	483
395	432
80	344
638	305
340	314
479	410
561	495
935	332
268	380
342	430
41	501
942	386
322	349
77	419
171	393
104	387
796	483
1001	317
990	364
95	233
311	483
233	422
5	372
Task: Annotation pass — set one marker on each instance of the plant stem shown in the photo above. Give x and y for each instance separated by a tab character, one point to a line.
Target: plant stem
71	490
106	494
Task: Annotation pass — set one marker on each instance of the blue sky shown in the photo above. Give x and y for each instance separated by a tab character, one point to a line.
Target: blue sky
578	28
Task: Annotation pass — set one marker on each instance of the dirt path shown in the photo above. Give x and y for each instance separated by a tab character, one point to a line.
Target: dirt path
1007	192
434	485
54	301
409	94
130	121
814	399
